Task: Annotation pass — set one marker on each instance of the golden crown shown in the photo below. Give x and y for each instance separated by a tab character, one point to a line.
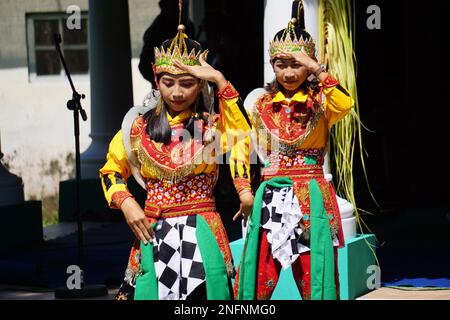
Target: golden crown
289	42
177	51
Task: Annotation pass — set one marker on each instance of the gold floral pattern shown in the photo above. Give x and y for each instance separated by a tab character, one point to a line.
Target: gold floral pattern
279	123
241	184
118	198
173	162
190	188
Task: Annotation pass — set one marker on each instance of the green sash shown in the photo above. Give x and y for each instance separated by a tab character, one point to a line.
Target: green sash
147	284
322	252
213	263
323	286
249	260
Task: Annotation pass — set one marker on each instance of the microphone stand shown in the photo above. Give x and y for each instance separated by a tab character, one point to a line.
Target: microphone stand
74	104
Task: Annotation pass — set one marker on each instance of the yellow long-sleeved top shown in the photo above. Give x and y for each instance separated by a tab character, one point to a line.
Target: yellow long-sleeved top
117	170
297	122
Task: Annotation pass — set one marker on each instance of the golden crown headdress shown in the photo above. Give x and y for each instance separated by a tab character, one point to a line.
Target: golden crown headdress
294	38
178	50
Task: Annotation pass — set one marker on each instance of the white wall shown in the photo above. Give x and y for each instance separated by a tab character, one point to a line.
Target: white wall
37	128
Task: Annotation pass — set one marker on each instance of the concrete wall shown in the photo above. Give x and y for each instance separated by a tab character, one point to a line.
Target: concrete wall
142	14
13	45
36	128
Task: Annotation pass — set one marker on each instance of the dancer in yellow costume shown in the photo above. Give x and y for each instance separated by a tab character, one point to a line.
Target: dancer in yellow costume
170	147
295	219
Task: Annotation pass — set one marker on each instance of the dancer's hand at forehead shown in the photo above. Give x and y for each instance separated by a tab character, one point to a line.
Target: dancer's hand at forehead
203	72
301	58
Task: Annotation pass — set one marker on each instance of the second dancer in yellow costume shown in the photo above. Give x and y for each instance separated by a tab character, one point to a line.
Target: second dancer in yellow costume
295	219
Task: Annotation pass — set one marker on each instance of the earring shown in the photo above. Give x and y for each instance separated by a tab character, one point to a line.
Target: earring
159	106
194	111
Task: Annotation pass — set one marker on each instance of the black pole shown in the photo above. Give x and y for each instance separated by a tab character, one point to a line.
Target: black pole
76	121
75	105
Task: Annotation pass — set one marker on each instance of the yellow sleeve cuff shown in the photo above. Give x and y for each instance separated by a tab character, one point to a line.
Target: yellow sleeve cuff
115	172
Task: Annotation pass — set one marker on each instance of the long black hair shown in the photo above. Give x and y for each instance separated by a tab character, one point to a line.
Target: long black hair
158	126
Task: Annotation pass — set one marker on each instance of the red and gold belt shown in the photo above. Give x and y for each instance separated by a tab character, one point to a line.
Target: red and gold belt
178	210
304	172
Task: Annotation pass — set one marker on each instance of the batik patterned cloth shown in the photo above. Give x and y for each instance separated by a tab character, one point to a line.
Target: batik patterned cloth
178	262
281	215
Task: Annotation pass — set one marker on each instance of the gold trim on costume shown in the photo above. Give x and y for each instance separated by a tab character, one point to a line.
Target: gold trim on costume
263	131
161	171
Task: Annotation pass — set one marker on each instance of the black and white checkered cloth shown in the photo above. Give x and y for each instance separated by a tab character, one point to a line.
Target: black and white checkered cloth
280	216
178	263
